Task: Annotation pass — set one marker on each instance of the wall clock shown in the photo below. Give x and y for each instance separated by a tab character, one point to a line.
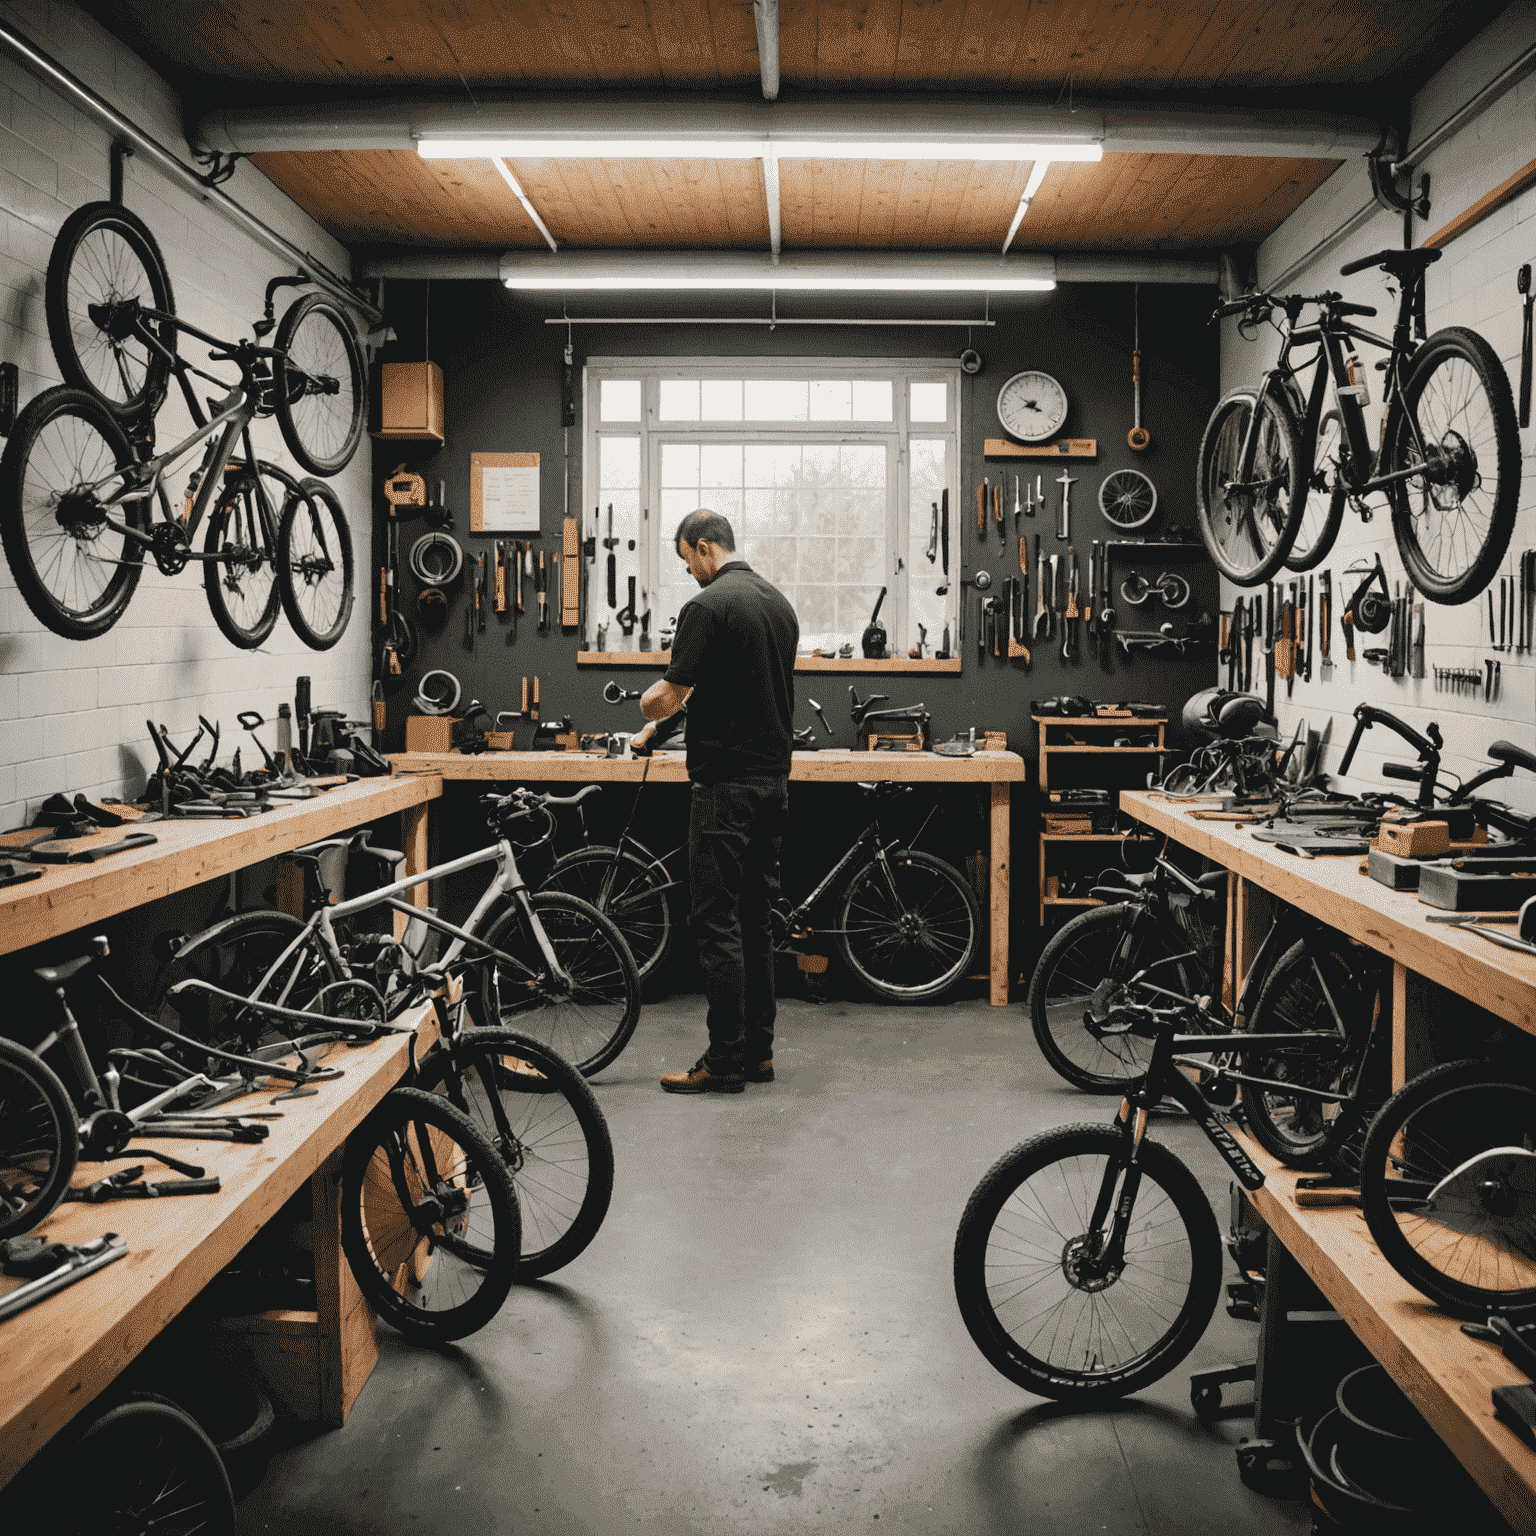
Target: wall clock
1032	406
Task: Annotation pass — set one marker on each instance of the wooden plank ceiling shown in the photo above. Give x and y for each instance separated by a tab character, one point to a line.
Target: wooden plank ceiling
1313	52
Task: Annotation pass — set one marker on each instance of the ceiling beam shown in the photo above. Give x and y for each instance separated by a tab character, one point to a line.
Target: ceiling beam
766	14
885	122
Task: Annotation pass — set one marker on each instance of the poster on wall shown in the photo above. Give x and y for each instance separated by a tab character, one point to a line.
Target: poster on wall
504	493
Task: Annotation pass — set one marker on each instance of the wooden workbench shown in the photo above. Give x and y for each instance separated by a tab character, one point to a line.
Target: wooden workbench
72	896
1448	1376
999	770
63	1352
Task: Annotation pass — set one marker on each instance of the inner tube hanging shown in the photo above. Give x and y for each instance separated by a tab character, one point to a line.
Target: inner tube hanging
436	559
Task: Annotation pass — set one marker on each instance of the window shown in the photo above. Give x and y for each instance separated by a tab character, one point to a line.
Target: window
830	472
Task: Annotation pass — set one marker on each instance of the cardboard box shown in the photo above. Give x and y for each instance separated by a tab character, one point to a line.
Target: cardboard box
411	402
429	733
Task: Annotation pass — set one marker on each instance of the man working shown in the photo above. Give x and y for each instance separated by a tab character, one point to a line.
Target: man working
733	663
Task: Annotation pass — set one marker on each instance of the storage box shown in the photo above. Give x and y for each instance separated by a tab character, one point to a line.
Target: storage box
429	733
411	401
1474	890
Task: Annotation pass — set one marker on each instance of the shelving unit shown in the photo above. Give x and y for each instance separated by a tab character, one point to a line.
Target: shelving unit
1046	725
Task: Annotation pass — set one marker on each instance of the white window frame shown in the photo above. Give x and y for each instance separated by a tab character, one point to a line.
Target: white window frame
896	434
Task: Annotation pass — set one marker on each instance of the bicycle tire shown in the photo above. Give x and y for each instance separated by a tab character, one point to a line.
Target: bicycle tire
1431	1127
1109	1067
314	565
413	1240
956	952
316	346
1322	511
1303	1133
30	503
581	937
643	914
39	1139
1220	514
105	254
244	596
1496	442
563	1189
144	1464
235	954
1044	1163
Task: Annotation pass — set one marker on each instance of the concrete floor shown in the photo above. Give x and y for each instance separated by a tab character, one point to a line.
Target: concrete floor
764	1335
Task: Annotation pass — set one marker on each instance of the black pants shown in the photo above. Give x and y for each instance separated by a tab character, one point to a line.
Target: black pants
735	831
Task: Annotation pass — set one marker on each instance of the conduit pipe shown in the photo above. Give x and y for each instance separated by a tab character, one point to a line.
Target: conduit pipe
766	14
77	93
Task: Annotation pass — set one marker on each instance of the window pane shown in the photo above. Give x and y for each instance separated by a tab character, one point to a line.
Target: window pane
620	399
872	400
831	400
861	464
679	399
720	464
926	456
619	463
722	399
930	402
777	399
680	464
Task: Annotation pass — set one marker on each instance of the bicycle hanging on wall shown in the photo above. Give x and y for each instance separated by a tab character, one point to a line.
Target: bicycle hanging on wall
1276	470
79	478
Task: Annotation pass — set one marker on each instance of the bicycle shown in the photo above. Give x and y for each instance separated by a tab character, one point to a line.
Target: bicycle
79	480
1276	471
547	961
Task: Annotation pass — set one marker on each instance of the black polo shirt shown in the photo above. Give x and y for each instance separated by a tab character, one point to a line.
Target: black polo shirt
735	647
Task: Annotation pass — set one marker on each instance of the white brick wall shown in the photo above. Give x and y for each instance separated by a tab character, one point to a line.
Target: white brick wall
72	713
1472	285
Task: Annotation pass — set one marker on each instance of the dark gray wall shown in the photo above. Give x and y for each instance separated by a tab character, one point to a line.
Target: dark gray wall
502	369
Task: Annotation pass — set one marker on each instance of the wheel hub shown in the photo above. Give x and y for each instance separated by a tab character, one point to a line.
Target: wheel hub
171	548
80	515
1083	1270
1451	471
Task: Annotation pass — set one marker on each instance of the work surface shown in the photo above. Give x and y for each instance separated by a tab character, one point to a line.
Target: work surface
68	1348
70	896
1334	891
834	766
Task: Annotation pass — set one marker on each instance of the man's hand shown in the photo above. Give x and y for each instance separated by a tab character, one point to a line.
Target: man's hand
663	699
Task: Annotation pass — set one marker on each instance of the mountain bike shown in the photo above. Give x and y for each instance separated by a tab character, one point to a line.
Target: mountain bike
1276	470
547	963
79	480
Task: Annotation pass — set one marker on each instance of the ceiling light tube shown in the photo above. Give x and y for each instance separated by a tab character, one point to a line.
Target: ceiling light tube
754	148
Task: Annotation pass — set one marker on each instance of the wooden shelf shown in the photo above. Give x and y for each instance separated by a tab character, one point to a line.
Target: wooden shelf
1074	720
662	659
1105	749
1083	837
1071	901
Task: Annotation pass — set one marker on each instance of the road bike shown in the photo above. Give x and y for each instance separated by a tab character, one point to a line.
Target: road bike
544	962
1276	468
80	481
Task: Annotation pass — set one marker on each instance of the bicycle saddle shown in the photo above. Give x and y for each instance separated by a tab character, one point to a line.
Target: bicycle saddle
1398	263
60	975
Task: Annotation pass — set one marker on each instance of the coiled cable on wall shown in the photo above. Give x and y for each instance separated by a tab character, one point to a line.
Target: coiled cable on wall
438	693
436	559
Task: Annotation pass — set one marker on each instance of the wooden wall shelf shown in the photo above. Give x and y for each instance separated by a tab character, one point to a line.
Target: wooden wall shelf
662	659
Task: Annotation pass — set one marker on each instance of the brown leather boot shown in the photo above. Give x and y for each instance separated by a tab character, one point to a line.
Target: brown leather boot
761	1073
699	1079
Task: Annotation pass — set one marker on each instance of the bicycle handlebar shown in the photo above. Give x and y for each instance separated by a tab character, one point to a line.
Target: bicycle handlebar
1517	757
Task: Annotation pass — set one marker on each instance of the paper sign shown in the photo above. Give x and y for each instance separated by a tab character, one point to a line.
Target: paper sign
504	493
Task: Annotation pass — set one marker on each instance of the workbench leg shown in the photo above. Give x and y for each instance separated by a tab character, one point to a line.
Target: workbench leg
345	1344
418	856
1244	943
1399	1024
998	891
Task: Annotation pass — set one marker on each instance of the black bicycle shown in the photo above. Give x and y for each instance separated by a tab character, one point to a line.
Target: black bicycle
79	479
1276	470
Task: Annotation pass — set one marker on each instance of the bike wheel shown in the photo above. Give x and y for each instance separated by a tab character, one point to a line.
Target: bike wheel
143	1465
39	1139
1322	511
1448	1187
242	588
321	388
1454	423
542	1118
1027	1286
1085	969
1248	531
238	956
588	1017
623	887
1311	989
429	1217
104	262
314	565
75	571
912	938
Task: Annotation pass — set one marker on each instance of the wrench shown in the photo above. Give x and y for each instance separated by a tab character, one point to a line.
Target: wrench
1055	595
1064	522
1042	623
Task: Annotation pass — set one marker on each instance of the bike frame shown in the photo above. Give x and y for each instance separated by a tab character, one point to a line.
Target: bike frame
870	834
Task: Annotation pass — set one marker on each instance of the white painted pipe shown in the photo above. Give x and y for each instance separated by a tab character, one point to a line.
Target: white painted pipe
766	15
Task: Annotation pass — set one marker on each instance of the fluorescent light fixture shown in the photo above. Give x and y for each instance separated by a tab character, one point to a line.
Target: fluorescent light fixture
750	149
577	282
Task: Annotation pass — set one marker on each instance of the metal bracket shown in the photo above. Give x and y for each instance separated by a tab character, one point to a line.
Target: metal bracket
1386	173
121	151
220	166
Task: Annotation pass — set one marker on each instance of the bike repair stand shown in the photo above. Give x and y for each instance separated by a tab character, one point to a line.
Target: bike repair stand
1301	1338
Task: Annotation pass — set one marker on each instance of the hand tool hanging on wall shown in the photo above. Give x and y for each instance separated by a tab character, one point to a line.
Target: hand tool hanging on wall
1325	622
981	510
645	621
501	577
611	544
1105	615
1311	616
541	588
523	707
1253	624
873	641
1055	608
483	596
1138	437
1069	619
1018	506
627	614
981	626
995	625
1267	646
997	512
1029	500
932	551
944	535
1523	288
1418	641
1093	582
533	703
1042	622
1064	521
